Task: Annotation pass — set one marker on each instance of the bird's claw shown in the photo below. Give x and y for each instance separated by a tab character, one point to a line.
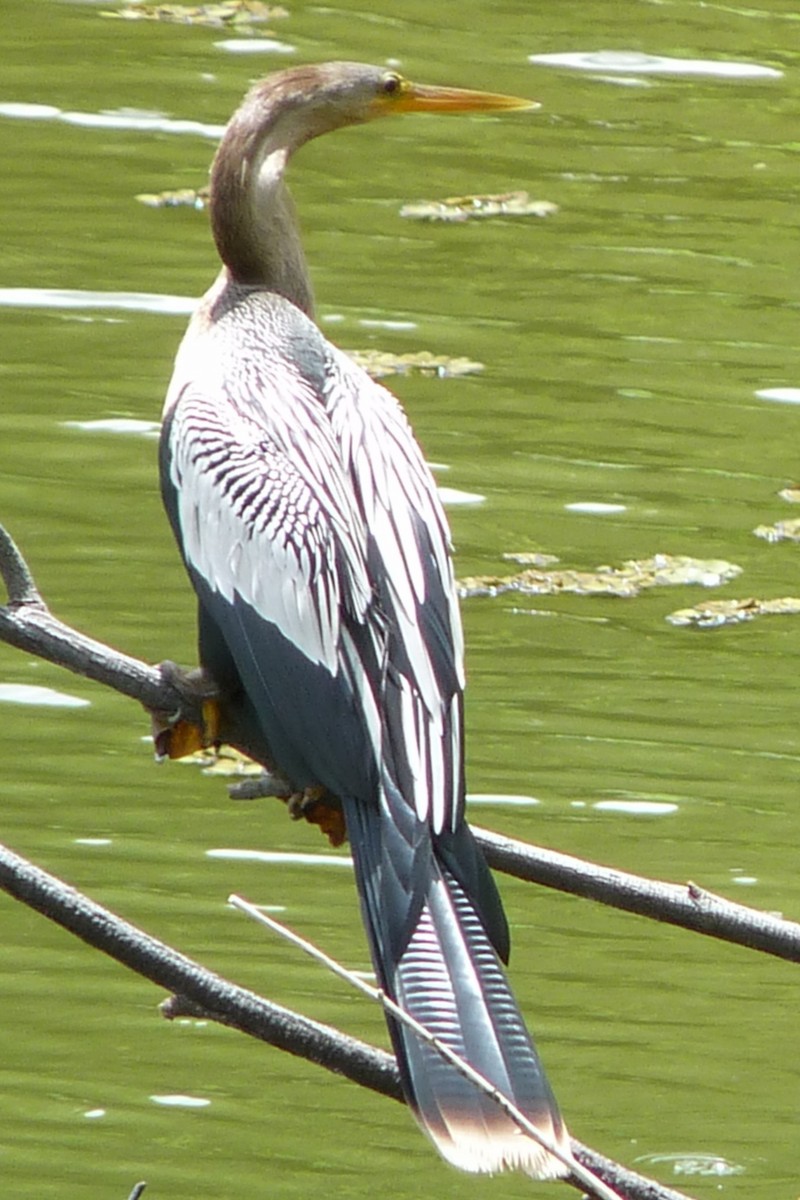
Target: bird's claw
195	724
319	807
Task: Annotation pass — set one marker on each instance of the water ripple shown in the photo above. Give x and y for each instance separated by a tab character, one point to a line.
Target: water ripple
142	122
154	302
254	46
283	856
28	693
713	1165
632	62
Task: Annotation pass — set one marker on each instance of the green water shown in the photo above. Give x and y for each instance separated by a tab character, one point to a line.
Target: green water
624	341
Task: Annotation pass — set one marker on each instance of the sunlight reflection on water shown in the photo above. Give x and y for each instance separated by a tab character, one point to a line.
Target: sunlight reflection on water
632	61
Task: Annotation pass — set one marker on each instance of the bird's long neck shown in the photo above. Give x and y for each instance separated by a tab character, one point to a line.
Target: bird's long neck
252	214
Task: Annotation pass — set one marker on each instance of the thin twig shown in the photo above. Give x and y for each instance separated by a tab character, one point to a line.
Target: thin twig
242	1009
584	1176
688	906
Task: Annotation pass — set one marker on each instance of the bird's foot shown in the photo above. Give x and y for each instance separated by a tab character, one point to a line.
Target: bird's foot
315	804
319	807
195	724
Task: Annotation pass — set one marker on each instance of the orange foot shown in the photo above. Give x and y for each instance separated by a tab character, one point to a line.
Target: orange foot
319	807
196	724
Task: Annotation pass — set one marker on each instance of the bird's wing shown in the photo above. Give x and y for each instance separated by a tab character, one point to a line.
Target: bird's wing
268	521
408	532
276	548
315	537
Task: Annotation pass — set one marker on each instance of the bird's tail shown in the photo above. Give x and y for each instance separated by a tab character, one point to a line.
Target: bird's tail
433	956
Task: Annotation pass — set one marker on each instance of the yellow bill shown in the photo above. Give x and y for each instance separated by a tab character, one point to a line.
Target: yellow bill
418	97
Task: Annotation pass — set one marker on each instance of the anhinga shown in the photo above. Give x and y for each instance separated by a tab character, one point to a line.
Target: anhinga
315	540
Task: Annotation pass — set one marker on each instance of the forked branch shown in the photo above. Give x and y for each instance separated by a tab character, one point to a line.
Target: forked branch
27	623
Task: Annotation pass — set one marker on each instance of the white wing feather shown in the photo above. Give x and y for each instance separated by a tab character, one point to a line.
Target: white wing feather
395	485
281	477
255	525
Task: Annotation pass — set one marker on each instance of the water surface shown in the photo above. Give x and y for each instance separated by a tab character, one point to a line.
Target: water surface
625	341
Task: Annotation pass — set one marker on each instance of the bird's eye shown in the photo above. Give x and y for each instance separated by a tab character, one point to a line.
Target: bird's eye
392	85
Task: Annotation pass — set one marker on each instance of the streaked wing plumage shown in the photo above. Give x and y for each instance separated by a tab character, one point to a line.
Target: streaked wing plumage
335	540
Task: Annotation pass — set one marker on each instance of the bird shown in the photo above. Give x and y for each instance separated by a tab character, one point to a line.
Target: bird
312	532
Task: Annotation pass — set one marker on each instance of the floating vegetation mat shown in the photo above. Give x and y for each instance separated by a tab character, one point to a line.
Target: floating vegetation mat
629	579
179	198
223	15
223	760
457	208
781	531
380	363
469	208
733	612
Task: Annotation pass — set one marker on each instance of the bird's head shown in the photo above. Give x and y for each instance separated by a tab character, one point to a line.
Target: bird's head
310	100
252	222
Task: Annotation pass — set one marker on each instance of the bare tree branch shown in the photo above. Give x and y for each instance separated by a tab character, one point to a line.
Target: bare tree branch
154	960
201	992
26	622
689	906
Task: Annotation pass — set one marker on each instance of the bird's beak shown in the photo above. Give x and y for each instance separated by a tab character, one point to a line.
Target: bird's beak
417	97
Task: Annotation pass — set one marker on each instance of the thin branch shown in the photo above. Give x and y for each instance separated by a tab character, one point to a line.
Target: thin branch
27	623
164	966
16	573
689	906
630	1184
214	997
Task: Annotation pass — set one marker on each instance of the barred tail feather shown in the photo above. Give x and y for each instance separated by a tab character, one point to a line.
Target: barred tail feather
451	981
449	978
